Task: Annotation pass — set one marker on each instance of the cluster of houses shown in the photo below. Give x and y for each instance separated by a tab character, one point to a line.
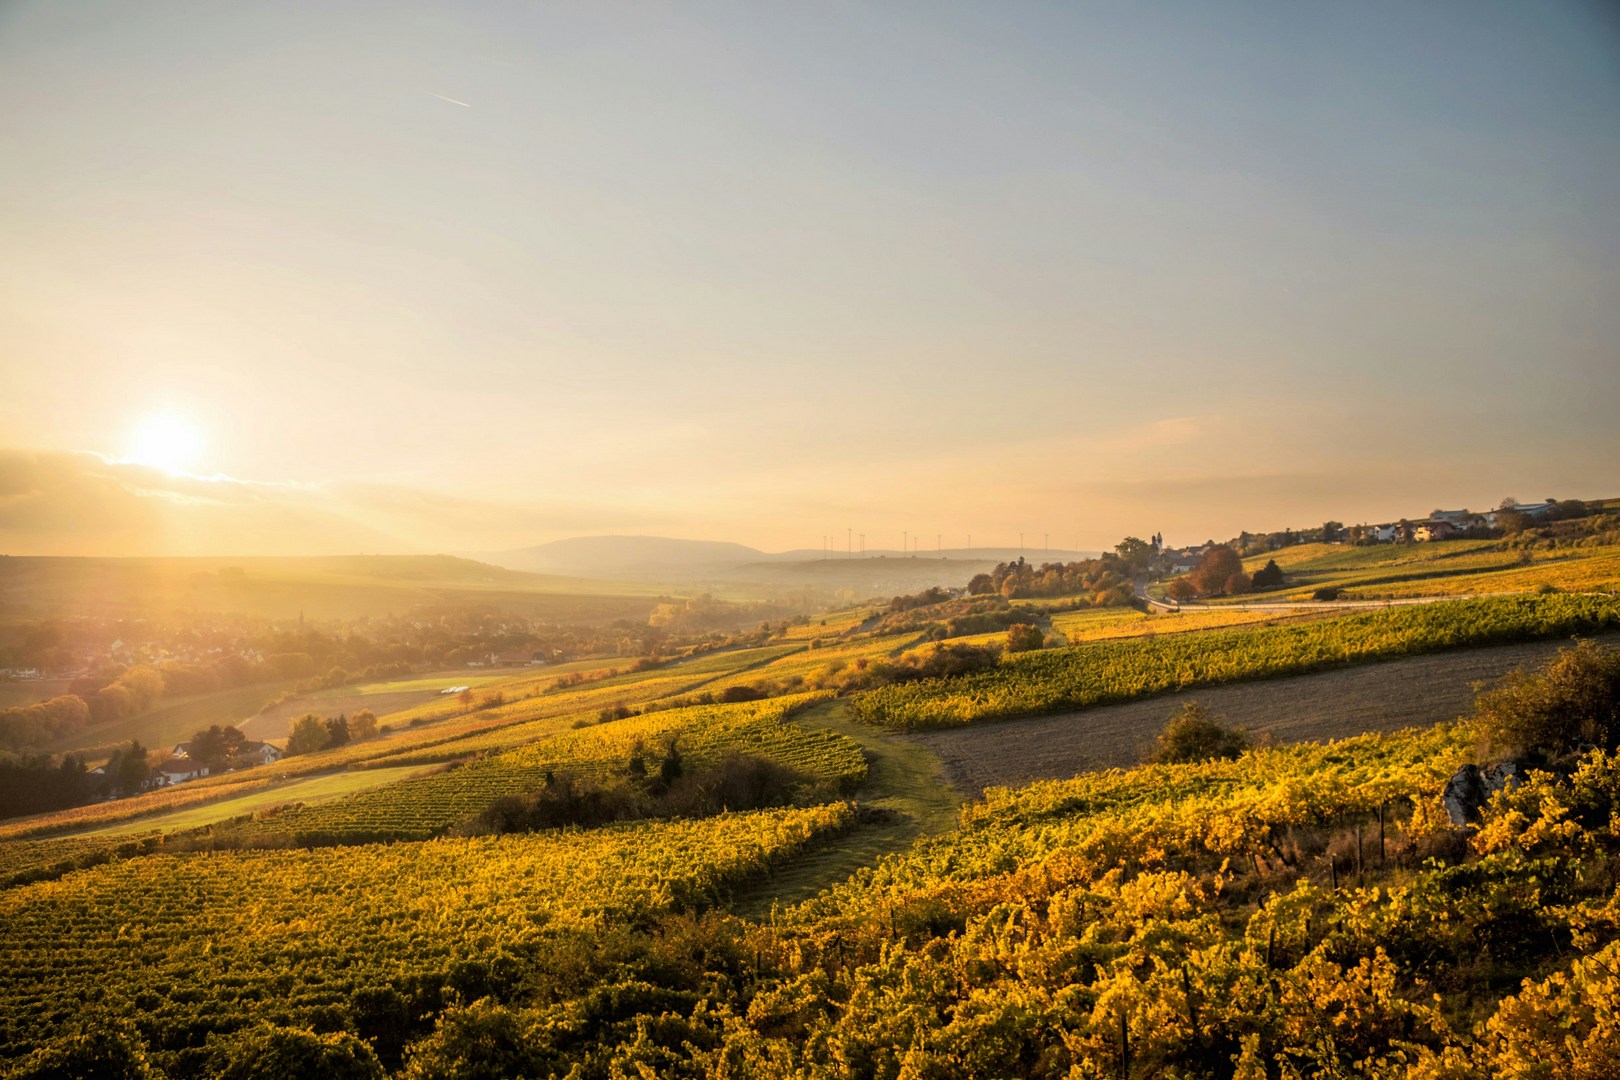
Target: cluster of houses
1442	524
180	766
526	656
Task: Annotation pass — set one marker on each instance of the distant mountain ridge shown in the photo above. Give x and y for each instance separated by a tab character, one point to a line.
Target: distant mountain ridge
670	559
619	554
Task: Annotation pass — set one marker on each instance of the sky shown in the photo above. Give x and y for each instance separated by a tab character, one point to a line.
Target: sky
316	278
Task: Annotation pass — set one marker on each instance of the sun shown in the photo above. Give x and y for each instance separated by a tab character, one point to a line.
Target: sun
166	441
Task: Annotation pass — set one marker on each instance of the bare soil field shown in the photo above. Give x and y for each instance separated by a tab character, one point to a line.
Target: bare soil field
1329	705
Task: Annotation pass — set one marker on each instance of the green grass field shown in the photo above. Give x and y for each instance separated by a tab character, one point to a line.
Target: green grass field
310	791
171	722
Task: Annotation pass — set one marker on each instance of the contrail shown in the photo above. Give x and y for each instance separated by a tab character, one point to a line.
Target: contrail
451	100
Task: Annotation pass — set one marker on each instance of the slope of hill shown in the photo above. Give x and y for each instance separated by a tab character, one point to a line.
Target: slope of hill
728	568
284	587
616	555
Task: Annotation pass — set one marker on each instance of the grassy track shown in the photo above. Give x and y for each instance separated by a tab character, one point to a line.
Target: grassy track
907	794
309	791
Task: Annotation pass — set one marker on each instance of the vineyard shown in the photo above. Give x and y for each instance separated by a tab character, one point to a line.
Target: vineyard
1572	571
790	670
416	809
1450	568
196	944
1301	911
1279	915
833	625
1102	624
1029	684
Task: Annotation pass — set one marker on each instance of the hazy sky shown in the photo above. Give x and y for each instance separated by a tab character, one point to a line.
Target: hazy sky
478	275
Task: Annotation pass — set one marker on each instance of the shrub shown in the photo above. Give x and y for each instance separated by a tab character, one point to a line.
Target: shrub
1022	637
1192	736
113	1052
1327	592
1269	576
273	1053
1573	700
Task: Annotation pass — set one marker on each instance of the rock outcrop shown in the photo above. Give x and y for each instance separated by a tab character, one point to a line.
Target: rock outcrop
1471	787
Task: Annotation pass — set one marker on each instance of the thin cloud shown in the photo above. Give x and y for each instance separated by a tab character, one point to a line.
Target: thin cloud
453	101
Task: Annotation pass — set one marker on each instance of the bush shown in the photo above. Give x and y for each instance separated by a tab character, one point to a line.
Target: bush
274	1053
1022	637
1269	576
113	1052
484	1039
1192	736
1573	700
943	661
736	782
1327	592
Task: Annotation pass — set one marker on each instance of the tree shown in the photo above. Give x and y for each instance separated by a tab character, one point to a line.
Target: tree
1238	584
1573	700
1215	569
337	731
214	748
1332	531
673	765
1135	553
1512	522
636	767
1191	735
981	585
1269	576
1022	637
307	735
1181	588
363	725
129	769
145	686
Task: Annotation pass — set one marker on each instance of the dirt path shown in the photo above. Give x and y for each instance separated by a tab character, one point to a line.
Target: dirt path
1328	705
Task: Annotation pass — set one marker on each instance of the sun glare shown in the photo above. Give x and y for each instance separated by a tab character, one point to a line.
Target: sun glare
166	441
